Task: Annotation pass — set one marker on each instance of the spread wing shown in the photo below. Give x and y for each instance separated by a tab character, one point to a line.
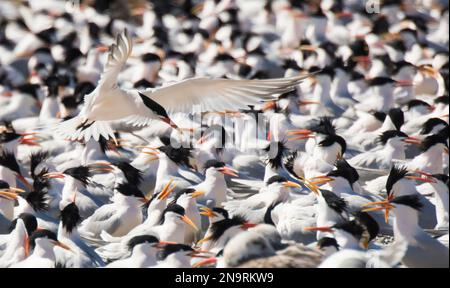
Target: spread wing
117	58
220	95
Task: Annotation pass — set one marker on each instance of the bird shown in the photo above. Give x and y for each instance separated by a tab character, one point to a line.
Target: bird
93	119
117	218
423	250
41	243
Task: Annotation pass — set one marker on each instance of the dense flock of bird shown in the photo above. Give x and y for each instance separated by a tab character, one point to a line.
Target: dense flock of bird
225	133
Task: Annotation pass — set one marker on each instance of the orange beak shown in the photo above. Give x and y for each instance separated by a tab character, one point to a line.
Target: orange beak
7	194
54	175
26	246
24	181
206	262
321	229
421	179
248	225
300	134
319	180
305	103
170	122
384	205
197	194
268	106
412	140
404	83
62	245
228	171
102	48
207	212
101	167
167	190
29	139
154	154
290	184
188	221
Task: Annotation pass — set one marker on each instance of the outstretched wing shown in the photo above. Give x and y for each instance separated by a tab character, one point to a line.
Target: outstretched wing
117	58
220	94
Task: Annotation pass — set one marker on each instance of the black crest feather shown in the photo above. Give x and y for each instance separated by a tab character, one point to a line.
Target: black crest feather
412	201
8	160
397	173
335	202
219	227
70	217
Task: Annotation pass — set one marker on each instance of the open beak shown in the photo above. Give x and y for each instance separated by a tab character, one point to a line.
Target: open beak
7	194
197	194
412	140
188	221
320	180
205	211
29	139
290	184
206	262
54	175
24	181
383	205
167	190
300	134
321	229
229	171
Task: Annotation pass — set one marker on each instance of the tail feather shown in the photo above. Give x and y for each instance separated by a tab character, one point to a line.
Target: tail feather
79	129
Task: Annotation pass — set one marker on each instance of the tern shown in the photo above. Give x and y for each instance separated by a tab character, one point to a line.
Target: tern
108	102
423	251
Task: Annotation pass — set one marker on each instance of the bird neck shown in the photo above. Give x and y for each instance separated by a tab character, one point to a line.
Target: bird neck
7	208
49	109
70	189
11	146
44	250
394	151
178	260
346	240
144	256
166	168
406	223
91	152
442	204
269	172
63	234
430	161
8	176
339	186
214	178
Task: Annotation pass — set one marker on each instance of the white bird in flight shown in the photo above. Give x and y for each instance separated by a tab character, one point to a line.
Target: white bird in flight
108	102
